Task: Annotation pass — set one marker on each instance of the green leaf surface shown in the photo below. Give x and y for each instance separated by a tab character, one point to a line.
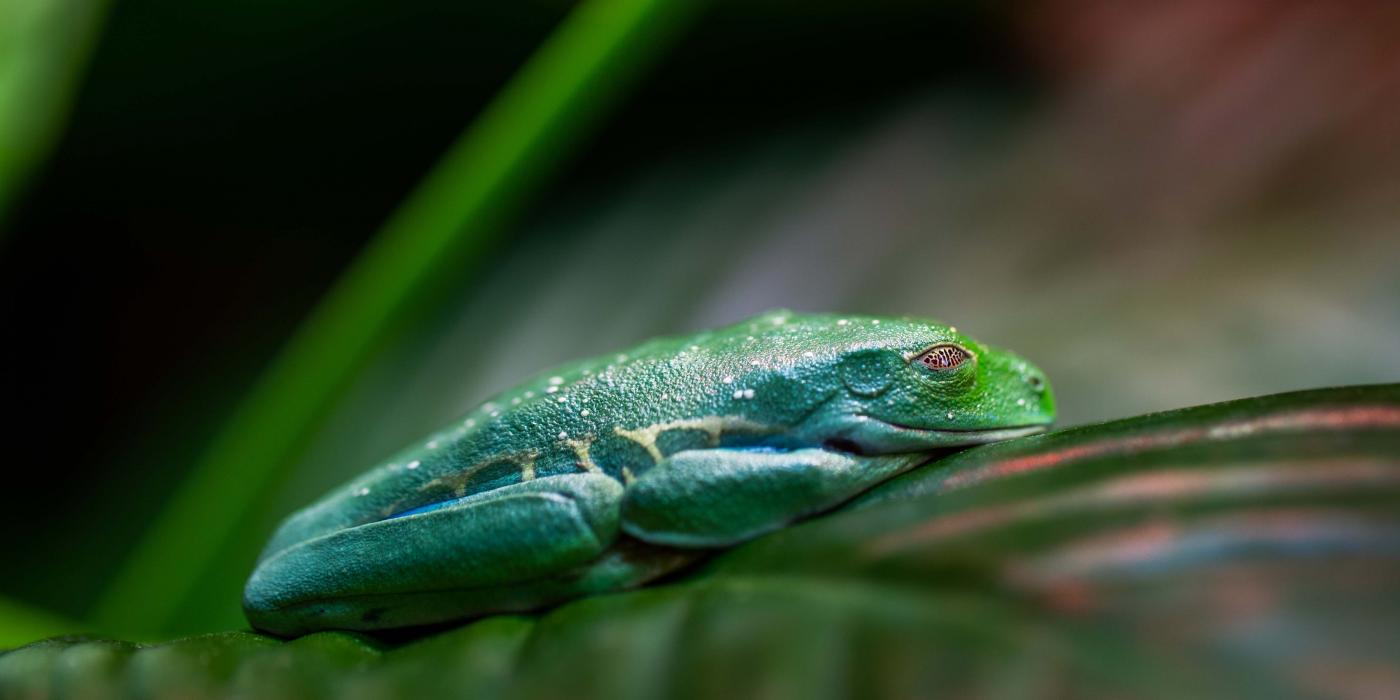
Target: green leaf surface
1244	549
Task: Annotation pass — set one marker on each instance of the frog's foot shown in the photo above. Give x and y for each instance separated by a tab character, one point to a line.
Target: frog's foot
718	497
499	550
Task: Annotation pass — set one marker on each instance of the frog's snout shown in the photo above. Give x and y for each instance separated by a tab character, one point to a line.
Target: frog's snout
1027	386
1039	394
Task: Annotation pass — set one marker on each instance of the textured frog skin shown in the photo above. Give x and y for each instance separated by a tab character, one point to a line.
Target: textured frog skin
609	472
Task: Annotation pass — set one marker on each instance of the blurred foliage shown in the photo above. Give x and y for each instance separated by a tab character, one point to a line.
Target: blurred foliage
21	624
43	48
1245	549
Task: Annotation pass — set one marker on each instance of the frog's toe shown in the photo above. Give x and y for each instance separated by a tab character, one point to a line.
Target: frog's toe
516	533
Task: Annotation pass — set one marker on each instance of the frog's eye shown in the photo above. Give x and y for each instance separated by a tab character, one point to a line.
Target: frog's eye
943	358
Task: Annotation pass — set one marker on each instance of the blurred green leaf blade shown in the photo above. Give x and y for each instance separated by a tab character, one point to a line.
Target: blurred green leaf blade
43	49
21	623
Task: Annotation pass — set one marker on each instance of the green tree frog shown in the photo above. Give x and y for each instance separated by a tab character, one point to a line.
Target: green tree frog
609	472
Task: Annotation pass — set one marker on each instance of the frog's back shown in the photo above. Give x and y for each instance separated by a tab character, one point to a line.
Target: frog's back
615	414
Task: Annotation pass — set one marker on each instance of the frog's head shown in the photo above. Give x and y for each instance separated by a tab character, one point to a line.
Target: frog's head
910	385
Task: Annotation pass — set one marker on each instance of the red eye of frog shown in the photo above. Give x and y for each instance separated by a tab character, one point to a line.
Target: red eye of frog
941	358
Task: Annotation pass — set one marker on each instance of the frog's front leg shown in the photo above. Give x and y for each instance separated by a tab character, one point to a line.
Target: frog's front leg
717	497
480	553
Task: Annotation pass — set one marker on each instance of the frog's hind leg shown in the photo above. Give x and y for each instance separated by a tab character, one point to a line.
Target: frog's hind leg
488	552
721	496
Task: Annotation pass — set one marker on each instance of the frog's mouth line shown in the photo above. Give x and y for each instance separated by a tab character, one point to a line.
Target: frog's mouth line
971	436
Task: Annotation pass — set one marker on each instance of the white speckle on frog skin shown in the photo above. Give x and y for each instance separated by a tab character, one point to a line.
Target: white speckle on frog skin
695	348
621	358
362	492
469	423
950	415
875	322
738	394
1020	402
412	465
551	389
584	412
663	397
755	363
952	329
432	444
495	414
728	379
563	435
842	322
529	394
584	399
809	353
515	401
556	381
562	399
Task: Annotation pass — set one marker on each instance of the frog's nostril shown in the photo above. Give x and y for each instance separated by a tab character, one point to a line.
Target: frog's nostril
1036	382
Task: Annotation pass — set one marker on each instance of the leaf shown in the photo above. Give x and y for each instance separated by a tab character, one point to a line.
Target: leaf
1250	548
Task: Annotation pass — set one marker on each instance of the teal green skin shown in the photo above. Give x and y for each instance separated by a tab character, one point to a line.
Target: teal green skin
609	472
